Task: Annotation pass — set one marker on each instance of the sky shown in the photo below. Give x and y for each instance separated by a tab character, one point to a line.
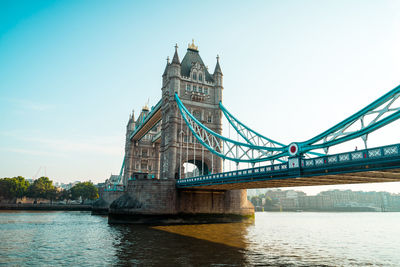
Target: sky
72	71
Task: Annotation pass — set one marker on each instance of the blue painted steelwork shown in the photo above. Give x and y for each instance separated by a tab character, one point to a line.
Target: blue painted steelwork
216	143
386	157
118	183
251	136
381	112
339	133
146	119
114	188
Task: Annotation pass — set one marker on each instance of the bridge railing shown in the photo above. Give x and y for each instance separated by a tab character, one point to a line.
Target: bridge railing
354	156
110	188
283	169
225	176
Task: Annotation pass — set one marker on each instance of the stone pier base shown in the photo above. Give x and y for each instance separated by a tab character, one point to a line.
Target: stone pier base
160	202
101	206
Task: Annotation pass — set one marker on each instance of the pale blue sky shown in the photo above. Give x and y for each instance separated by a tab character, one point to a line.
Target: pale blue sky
71	72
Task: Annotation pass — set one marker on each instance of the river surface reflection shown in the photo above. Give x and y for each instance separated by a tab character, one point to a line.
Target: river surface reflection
273	239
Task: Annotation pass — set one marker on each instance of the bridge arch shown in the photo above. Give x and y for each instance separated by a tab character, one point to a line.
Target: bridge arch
194	167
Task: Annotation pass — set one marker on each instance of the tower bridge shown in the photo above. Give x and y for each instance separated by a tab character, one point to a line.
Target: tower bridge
175	153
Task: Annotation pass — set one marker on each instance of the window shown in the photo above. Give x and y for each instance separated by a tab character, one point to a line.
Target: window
200	77
143	166
206	91
209	119
188	87
197	114
194	88
144	153
200	89
194	76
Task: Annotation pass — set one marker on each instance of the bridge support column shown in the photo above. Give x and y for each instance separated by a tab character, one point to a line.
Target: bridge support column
294	164
160	202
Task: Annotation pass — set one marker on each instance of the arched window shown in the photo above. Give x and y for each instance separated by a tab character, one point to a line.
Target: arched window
200	77
194	76
197	114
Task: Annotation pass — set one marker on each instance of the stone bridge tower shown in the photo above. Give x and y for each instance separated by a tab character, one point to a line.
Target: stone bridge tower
158	200
201	93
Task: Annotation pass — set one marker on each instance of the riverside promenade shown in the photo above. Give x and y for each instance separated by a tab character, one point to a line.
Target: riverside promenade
29	206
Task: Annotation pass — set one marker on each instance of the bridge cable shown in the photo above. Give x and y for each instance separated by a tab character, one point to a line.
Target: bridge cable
213	141
180	154
187	151
202	160
194	158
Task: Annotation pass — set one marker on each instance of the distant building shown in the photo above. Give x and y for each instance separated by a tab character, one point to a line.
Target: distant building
331	200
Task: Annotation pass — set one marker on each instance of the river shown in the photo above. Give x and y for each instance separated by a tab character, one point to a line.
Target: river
29	238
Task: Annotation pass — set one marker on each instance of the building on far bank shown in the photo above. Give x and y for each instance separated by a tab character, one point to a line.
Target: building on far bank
339	200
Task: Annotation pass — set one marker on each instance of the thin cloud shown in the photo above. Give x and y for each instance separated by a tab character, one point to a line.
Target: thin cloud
27	104
31	152
107	145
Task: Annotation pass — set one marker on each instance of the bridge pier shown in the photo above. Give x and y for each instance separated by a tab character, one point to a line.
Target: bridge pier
160	202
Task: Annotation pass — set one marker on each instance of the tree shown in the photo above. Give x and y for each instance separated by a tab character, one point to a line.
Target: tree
41	188
22	186
13	187
85	190
64	195
6	191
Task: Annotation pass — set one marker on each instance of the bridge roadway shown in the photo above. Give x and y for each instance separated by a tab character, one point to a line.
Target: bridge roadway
375	165
148	123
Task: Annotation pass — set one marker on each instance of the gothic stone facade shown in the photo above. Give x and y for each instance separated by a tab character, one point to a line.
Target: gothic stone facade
158	200
201	93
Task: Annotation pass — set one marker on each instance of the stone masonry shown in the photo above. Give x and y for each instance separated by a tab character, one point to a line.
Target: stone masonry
163	160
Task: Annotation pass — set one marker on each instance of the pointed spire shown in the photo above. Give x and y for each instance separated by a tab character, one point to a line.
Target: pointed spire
166	67
217	67
175	59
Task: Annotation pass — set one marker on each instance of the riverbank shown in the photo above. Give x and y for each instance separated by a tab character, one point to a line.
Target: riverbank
66	207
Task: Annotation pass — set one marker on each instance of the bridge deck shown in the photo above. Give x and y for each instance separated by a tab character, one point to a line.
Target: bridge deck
149	122
373	165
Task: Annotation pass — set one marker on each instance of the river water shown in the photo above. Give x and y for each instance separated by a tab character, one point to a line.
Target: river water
274	239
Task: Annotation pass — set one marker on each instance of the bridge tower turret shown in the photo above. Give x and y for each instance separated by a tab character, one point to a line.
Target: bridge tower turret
169	121
147	199
200	92
128	160
218	82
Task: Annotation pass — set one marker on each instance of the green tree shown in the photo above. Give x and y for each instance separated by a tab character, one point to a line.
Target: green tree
22	186
6	191
13	187
41	188
64	195
256	201
85	190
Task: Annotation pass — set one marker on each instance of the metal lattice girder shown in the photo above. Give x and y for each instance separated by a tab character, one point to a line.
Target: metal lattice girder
379	113
251	136
227	148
